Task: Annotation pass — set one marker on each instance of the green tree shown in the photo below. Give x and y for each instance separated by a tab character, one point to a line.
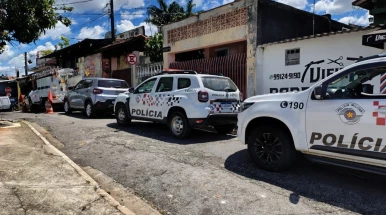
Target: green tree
165	14
162	15
45	52
153	48
24	21
65	42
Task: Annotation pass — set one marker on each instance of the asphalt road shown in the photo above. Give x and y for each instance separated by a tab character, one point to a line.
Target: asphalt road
208	173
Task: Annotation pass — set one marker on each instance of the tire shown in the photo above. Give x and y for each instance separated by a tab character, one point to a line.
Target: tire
121	116
176	120
31	107
66	107
269	153
224	129
90	110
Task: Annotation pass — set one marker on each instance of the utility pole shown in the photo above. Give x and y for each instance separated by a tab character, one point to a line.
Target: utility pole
112	20
313	20
25	63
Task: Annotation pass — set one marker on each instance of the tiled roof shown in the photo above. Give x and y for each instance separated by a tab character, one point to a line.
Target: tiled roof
375	27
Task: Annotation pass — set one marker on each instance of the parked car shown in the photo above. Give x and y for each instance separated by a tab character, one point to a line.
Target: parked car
5	103
183	100
94	95
340	120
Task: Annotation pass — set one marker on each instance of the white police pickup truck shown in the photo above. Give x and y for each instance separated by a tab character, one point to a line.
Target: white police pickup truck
341	120
183	100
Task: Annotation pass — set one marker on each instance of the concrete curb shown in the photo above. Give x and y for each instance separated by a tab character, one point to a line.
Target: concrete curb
83	174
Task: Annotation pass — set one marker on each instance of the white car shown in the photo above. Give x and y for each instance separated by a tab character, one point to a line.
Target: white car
183	100
341	120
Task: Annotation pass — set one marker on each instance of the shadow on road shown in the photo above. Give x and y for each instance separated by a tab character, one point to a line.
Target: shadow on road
80	115
355	191
161	132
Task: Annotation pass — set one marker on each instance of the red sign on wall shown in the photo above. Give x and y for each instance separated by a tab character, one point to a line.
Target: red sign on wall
131	59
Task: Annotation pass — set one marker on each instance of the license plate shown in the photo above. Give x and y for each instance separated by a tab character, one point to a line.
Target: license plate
226	105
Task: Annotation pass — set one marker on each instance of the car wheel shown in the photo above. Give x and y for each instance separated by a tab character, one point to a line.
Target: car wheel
31	107
271	148
224	129
90	110
66	107
179	126
122	116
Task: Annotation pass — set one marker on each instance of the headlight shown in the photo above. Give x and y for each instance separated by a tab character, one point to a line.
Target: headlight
246	105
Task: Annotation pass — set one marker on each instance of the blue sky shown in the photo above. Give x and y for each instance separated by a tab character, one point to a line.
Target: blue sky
90	20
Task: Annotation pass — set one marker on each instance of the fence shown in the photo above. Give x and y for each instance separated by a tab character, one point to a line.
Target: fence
232	66
148	70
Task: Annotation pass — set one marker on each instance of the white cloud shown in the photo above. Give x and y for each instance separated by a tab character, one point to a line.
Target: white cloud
334	7
56	32
133	4
198	3
227	1
300	4
95	32
133	15
7	70
7	54
99	5
209	4
150	29
126	25
46	46
17	61
362	20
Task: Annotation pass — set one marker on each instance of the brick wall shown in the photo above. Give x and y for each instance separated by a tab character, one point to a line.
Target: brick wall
216	23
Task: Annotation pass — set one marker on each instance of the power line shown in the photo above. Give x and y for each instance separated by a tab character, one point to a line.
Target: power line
77	2
20	54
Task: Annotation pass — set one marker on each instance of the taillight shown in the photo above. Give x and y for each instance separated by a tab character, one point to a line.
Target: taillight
203	96
241	97
97	91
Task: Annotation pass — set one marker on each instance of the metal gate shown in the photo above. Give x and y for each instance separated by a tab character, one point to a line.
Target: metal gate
146	71
124	74
232	66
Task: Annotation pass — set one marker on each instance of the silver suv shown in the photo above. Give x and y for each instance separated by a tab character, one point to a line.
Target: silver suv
93	95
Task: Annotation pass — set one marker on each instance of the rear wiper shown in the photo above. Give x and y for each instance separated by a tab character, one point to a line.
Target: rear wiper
229	90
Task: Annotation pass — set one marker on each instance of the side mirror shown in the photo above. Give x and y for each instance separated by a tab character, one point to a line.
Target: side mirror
318	92
131	90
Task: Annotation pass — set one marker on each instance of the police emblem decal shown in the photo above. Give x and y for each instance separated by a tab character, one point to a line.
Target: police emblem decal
350	113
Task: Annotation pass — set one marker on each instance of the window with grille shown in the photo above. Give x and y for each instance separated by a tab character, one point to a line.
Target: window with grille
292	57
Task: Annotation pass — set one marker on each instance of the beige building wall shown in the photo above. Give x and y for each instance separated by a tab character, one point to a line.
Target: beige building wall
234	23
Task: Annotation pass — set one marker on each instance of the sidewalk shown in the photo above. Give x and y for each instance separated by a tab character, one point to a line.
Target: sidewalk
34	179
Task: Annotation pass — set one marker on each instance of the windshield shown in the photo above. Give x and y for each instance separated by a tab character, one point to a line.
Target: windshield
219	84
112	84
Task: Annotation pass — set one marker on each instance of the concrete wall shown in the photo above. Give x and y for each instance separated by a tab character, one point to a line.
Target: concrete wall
219	36
234	48
271	61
